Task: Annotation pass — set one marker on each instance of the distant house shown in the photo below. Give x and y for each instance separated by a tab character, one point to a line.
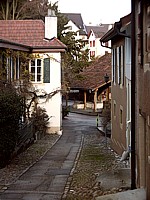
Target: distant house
76	24
120	37
95	33
89	34
40	41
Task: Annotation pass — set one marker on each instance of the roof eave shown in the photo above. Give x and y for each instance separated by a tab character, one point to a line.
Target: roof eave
111	33
13	45
48	49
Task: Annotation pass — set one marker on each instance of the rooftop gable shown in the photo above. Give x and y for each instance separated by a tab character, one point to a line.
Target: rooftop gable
99	31
76	18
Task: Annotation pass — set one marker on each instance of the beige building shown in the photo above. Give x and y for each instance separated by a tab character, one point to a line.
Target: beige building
141	88
139	66
119	36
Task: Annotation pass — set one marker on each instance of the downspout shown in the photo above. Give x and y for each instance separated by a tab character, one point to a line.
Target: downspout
133	68
117	33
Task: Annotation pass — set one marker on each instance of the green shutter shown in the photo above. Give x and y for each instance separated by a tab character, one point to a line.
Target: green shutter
46	70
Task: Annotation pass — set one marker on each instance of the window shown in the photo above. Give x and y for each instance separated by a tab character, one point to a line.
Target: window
92	53
114	63
121	117
114	109
93	43
90	43
70	28
36	70
120	64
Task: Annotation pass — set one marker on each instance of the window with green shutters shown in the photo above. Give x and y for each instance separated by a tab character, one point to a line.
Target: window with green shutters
46	75
37	74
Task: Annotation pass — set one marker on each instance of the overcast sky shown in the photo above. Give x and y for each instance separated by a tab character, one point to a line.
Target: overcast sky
96	11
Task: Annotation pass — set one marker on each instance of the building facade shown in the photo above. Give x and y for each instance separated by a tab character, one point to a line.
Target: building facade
39	39
94	34
120	37
141	84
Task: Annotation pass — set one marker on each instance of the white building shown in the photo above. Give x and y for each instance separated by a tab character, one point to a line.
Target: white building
41	41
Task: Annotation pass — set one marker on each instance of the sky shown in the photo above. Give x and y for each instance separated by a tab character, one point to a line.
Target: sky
96	11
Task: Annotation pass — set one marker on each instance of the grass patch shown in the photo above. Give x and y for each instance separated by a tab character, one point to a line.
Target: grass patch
95	157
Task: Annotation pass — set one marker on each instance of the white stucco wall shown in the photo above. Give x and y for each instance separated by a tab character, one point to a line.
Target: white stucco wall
99	50
54	104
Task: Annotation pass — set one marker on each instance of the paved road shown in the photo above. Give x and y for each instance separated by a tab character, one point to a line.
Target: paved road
46	180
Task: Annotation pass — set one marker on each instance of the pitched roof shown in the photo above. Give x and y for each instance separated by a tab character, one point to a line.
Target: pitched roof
76	18
28	32
93	76
99	31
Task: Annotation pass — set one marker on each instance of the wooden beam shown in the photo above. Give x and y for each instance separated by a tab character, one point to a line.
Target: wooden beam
95	100
85	100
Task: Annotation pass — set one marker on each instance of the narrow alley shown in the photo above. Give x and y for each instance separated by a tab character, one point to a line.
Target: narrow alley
47	178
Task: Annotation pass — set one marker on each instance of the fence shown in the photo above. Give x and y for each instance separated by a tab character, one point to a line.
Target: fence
26	136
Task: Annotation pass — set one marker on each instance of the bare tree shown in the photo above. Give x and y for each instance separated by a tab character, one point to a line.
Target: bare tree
23	9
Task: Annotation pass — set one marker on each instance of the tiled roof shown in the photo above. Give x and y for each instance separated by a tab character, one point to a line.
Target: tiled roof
27	32
99	31
93	76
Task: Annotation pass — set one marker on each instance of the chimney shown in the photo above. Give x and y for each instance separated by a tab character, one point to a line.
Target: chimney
50	25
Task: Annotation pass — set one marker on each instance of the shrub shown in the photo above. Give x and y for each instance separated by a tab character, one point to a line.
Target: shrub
40	120
10	113
65	111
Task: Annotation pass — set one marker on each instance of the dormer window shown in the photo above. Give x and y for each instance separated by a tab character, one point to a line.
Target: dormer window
70	28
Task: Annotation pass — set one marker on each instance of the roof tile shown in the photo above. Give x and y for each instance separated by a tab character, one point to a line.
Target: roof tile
93	75
27	32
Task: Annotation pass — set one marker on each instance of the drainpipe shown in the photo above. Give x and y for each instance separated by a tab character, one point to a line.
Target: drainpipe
117	32
133	68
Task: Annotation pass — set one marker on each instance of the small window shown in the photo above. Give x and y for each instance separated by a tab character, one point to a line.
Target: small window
121	117
93	43
92	54
114	108
70	28
90	43
120	65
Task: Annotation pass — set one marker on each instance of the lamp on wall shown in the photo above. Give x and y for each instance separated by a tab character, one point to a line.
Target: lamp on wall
106	78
